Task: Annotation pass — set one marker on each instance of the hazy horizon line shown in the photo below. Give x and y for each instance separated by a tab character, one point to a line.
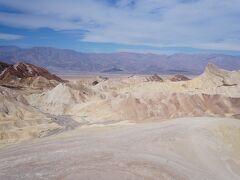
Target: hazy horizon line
137	51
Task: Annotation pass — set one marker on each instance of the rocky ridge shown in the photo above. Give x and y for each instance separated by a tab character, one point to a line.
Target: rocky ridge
215	93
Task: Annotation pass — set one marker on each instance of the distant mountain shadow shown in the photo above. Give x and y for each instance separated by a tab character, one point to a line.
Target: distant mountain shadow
112	70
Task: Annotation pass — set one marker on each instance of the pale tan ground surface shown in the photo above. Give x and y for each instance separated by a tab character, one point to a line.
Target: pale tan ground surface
186	148
121	128
29	112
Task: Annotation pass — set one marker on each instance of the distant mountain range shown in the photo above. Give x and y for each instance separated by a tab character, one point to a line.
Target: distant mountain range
62	60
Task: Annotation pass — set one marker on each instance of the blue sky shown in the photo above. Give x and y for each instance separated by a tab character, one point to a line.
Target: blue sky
155	26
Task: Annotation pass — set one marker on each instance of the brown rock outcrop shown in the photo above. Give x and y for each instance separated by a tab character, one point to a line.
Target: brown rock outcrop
26	70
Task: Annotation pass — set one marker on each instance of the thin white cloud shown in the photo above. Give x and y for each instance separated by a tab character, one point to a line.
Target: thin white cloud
147	51
10	37
159	23
219	46
36	21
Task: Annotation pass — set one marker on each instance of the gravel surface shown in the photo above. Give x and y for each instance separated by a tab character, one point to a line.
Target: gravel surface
187	148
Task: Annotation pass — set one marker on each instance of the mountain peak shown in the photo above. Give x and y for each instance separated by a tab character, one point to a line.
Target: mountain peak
26	70
211	66
213	69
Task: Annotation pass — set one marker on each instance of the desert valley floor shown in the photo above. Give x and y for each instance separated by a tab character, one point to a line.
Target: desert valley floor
127	127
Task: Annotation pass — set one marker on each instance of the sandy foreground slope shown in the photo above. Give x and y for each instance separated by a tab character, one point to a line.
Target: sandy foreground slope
186	148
